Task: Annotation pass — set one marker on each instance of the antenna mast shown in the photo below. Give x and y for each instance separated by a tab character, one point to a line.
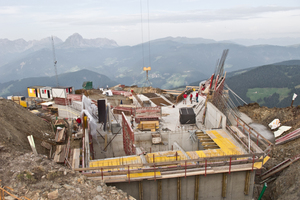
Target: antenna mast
54	61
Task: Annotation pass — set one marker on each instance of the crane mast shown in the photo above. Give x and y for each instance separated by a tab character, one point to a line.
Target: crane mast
54	61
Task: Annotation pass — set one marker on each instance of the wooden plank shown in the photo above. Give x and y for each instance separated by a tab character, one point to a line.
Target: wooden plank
75	159
32	144
59	156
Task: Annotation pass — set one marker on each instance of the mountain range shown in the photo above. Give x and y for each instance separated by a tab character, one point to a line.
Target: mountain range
75	79
174	61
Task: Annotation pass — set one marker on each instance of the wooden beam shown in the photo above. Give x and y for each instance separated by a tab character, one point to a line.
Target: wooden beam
247	183
197	177
178	188
32	144
159	190
141	190
224	185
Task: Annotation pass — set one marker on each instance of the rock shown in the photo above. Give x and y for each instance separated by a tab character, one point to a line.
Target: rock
53	195
56	186
78	190
65	172
98	197
9	198
99	189
68	187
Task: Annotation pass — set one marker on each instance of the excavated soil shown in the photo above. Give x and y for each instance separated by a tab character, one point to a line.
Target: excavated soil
17	123
287	182
38	177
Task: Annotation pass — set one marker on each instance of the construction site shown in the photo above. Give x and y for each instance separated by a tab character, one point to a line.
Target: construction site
155	144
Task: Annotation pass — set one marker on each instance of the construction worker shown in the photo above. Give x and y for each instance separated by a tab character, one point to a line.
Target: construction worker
131	121
197	95
191	98
78	120
184	98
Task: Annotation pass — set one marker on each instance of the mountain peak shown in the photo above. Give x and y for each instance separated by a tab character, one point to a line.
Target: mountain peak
77	41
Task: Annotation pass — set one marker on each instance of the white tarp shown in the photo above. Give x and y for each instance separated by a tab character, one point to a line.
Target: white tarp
274	124
281	130
91	111
294	96
108	93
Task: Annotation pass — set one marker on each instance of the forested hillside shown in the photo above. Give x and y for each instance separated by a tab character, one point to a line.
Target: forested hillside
269	85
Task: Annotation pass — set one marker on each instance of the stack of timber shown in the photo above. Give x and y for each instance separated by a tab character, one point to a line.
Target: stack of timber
148	125
60	135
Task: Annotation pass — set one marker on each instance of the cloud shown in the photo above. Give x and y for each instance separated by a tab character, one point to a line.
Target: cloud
98	16
9	10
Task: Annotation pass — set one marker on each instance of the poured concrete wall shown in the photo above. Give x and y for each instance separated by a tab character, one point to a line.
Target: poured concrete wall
144	140
210	187
214	118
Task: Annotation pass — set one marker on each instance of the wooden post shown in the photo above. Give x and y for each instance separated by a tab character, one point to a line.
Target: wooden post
247	183
178	188
185	170
141	190
128	175
159	190
252	163
154	173
230	165
205	166
224	185
197	177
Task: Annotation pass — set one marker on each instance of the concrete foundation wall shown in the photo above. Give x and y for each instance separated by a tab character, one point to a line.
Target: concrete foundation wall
210	187
144	140
214	118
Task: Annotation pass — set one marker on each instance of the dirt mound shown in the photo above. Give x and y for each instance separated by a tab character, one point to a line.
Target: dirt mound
37	177
17	123
288	181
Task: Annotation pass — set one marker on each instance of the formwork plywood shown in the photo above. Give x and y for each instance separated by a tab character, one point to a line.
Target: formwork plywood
159	101
150	95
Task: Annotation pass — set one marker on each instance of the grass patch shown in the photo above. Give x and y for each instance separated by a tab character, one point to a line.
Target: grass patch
260	93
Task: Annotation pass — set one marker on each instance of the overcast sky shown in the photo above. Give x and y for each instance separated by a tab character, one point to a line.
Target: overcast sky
120	20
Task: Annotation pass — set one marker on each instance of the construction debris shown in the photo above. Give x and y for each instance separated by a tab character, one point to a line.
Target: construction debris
289	137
